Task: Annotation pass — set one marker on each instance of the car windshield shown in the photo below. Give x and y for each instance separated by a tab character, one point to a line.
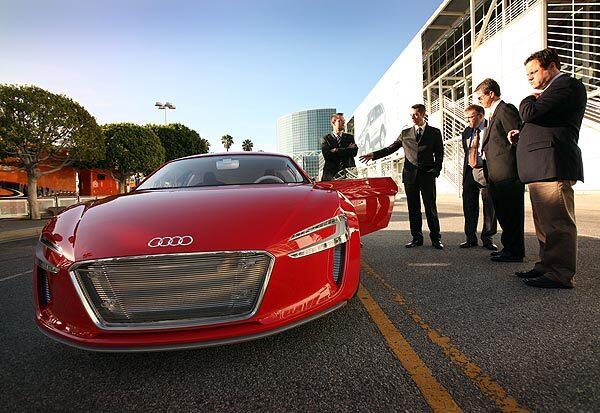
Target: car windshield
225	170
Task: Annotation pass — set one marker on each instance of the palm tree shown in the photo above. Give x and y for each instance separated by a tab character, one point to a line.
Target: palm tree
247	145
227	141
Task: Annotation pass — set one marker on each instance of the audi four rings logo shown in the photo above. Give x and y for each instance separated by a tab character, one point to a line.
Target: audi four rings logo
174	241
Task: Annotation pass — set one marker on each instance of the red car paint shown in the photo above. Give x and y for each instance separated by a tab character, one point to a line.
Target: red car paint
256	217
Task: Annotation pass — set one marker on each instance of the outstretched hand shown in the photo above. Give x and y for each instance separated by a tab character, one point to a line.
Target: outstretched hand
366	158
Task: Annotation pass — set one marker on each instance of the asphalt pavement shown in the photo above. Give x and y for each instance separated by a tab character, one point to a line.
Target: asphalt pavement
430	330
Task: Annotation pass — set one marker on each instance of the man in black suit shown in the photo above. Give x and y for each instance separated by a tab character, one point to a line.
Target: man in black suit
503	180
549	161
475	182
423	156
338	148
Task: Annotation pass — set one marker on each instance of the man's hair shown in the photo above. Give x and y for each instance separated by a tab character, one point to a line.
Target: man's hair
335	115
489	85
419	107
545	57
479	109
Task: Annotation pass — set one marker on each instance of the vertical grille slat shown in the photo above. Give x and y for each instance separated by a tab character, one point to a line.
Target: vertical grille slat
338	262
43	288
170	289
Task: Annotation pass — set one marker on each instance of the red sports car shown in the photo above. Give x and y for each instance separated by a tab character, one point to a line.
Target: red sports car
208	250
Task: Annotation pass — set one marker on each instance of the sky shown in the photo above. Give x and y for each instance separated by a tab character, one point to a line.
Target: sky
229	66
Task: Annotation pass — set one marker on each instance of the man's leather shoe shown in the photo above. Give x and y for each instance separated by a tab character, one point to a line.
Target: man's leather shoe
496	253
528	274
490	246
437	244
544	282
468	244
505	257
414	243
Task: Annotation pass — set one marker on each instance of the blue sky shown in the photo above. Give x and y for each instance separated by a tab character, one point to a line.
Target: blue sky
229	66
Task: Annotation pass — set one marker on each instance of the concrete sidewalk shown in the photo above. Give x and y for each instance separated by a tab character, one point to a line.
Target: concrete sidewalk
16	229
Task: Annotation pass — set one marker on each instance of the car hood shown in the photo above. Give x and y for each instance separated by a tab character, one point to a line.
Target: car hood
232	218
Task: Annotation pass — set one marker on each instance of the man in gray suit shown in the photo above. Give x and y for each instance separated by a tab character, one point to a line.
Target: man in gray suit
423	156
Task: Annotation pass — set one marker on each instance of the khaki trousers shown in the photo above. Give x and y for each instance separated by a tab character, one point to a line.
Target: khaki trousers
553	207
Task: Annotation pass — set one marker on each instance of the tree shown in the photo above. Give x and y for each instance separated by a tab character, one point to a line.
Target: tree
247	145
179	140
38	127
227	141
131	149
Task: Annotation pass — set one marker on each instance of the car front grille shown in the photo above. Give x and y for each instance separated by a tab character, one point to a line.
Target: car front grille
173	290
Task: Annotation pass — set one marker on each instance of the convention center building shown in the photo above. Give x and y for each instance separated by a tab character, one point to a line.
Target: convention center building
464	42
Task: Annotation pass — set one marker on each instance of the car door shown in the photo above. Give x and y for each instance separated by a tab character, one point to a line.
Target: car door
373	200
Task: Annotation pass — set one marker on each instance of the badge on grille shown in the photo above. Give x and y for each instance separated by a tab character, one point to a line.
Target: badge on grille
174	241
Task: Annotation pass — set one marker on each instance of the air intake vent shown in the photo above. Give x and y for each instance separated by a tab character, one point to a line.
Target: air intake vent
43	288
171	290
338	262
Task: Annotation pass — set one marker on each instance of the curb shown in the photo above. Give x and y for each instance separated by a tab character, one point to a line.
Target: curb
19	234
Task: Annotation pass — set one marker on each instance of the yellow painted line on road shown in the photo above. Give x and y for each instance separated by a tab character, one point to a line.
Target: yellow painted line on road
435	394
482	380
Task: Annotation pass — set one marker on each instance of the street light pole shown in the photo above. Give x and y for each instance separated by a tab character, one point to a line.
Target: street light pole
165	106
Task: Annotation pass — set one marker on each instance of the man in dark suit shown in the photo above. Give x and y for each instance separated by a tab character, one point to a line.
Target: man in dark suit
423	156
503	180
475	182
549	161
338	148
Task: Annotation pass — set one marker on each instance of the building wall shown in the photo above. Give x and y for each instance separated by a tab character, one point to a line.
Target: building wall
501	57
302	131
61	181
381	116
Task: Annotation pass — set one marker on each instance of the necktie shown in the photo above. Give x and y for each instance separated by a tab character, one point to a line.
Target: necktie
419	134
473	149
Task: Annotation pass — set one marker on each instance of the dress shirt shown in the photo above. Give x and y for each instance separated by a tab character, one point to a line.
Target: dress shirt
490	111
480	153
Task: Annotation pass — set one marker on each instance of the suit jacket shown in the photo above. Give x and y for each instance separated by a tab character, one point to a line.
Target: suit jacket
426	156
548	143
468	174
340	159
500	155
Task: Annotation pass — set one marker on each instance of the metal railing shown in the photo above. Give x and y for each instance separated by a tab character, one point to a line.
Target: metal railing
574	32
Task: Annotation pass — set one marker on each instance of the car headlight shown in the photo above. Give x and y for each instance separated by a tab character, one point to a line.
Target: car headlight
322	236
49	255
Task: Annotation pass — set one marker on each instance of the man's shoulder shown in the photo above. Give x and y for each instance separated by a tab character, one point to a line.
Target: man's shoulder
433	129
506	106
349	135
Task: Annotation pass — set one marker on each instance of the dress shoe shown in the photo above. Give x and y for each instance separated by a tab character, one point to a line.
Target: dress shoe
468	244
544	282
437	244
506	257
496	253
414	243
528	274
490	246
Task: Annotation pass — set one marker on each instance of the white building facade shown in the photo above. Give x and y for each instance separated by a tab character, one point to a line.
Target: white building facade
464	42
